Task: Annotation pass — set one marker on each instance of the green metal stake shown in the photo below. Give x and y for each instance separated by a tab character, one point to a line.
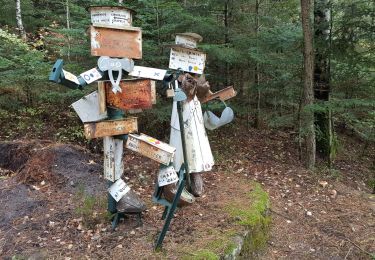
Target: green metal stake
170	215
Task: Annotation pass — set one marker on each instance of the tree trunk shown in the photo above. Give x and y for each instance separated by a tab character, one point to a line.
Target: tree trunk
258	119
322	27
21	29
226	39
308	85
68	26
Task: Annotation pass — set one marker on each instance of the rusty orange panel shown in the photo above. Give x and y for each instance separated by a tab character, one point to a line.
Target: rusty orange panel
136	94
111	127
116	42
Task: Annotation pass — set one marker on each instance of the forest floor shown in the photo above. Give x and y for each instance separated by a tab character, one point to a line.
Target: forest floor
53	201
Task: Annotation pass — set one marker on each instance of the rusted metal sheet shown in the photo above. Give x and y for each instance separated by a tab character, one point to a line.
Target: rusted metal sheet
88	108
116	42
113	162
111	15
101	96
223	94
136	94
188	60
111	127
151	148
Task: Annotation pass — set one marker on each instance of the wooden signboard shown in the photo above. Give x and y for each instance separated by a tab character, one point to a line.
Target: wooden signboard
113	164
151	148
87	108
223	94
111	15
111	127
187	60
187	41
116	42
136	94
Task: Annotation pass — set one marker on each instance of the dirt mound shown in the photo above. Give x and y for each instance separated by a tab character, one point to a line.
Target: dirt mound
58	165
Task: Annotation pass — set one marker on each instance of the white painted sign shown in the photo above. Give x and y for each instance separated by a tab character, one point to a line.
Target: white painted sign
111	16
151	148
187	60
91	75
118	189
87	108
113	164
167	176
148	73
186	41
70	76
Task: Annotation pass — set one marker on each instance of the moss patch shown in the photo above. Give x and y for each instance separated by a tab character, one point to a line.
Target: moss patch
249	212
202	255
254	217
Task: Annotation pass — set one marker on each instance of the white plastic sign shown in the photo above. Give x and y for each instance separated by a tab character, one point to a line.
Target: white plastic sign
70	76
91	75
187	60
148	73
167	176
118	189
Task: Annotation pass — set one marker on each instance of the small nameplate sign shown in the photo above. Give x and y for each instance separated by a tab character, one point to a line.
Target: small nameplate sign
118	189
187	60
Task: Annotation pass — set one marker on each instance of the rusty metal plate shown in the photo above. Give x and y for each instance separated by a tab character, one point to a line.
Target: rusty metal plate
116	42
223	94
136	94
111	127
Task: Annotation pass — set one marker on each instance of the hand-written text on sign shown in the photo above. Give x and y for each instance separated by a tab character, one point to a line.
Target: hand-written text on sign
187	60
110	16
167	176
116	43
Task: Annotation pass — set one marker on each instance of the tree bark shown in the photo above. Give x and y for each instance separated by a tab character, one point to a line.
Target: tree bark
68	26
21	29
308	85
258	119
322	28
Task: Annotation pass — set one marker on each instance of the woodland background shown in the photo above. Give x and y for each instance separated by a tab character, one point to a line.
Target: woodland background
255	45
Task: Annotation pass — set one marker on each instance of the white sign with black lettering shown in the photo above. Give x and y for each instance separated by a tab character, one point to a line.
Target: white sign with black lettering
113	163
167	176
111	16
91	75
118	189
148	73
187	60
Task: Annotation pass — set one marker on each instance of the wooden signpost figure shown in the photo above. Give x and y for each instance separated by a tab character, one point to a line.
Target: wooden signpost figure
102	112
117	43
